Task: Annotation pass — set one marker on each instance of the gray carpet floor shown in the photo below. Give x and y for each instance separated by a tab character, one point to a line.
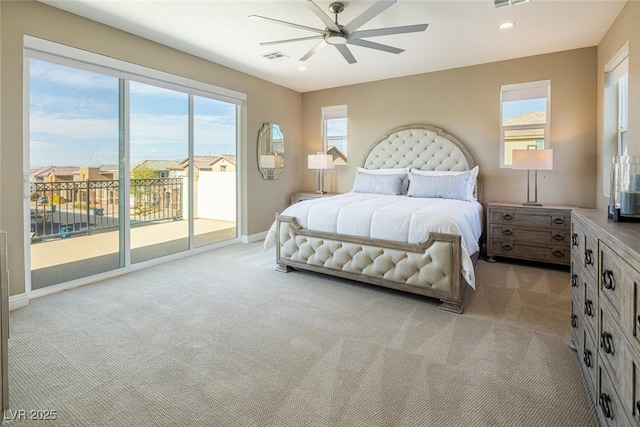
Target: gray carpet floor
222	339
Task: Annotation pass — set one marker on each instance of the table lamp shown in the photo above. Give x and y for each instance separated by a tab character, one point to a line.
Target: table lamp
320	162
535	160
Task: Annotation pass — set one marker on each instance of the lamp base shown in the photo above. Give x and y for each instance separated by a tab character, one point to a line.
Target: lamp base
531	204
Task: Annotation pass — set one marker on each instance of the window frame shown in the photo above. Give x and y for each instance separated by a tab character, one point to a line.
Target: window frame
329	113
616	111
520	92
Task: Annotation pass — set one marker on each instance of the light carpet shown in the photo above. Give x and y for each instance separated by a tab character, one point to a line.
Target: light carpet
222	339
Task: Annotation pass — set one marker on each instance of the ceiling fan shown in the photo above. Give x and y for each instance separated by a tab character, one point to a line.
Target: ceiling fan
341	35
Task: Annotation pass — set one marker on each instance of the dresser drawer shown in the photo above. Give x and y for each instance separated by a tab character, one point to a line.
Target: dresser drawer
590	307
577	325
631	322
611	278
610	407
589	361
613	348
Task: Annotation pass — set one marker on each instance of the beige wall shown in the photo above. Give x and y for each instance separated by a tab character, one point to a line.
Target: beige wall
625	28
266	103
465	102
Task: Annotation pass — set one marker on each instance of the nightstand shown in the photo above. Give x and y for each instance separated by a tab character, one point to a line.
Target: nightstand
298	197
534	233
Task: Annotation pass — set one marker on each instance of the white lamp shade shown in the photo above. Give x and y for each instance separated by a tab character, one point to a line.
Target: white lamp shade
533	159
320	161
270	161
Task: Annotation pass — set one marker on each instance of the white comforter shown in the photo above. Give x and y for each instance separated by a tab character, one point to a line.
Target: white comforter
397	218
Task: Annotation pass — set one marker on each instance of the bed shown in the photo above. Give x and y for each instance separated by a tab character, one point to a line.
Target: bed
412	222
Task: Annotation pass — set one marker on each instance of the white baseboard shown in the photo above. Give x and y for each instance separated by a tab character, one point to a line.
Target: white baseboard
18	301
254	237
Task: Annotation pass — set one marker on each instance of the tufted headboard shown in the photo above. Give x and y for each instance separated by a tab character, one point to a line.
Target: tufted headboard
421	147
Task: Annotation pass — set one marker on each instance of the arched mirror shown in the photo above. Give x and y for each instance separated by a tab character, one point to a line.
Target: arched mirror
270	151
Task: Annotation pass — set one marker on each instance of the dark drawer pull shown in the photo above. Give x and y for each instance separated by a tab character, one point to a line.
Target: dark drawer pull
507	247
588	257
558	221
574	321
574	239
638	409
608	281
558	254
574	280
507	217
606	342
587	358
638	323
605	405
507	232
558	237
588	308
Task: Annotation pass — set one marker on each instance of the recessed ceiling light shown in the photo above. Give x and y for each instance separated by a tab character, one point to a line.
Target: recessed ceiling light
506	25
302	68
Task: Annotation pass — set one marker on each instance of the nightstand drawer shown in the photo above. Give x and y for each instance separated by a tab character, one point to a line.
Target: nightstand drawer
529	218
555	254
531	235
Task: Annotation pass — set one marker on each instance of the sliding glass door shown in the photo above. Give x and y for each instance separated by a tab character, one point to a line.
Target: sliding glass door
74	218
159	147
123	171
214	170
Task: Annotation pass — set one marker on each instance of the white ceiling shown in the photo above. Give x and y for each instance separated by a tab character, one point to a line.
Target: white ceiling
460	33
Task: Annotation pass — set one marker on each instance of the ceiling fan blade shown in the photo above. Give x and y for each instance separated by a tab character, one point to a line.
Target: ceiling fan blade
346	53
367	15
299	39
288	24
388	31
326	19
377	46
313	51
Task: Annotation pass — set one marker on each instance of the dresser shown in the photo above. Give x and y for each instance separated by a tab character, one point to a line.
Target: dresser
605	313
534	233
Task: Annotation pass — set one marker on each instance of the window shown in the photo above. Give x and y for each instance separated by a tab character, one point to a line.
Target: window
525	114
334	133
616	110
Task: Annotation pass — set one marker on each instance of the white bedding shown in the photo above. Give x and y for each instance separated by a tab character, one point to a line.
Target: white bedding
397	218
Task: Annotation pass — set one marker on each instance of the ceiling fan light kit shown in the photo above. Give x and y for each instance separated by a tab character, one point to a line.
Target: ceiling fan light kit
342	35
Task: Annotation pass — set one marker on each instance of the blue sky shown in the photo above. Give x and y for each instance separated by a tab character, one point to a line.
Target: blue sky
516	108
74	120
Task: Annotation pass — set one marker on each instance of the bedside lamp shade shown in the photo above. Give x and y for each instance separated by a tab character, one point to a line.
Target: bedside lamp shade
320	162
532	160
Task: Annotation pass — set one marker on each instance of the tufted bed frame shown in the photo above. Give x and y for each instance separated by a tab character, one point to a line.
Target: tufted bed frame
431	268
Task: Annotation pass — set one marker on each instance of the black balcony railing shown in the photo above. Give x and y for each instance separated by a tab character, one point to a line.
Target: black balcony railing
64	209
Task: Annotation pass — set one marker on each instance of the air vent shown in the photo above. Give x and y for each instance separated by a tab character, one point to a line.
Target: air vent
275	56
505	3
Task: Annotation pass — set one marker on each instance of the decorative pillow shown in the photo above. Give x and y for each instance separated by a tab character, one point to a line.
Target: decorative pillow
377	183
471	183
439	186
390	171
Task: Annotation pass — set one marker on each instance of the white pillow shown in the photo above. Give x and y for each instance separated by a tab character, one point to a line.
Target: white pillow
439	186
377	183
390	171
471	184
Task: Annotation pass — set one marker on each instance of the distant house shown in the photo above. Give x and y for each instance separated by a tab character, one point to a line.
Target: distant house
339	158
224	163
161	167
